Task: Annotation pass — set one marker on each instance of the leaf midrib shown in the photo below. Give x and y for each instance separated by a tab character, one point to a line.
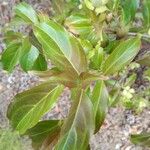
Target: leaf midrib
58	47
31	110
78	107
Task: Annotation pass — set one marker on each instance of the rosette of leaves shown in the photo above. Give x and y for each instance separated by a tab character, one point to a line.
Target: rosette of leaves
51	41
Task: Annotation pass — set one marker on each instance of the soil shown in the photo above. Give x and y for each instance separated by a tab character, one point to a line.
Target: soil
119	124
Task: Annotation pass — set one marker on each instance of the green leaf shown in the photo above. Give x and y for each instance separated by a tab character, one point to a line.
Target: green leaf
11	36
43	131
100	103
145	60
78	24
129	11
130	80
58	6
28	107
11	56
122	55
146	12
82	26
40	64
64	51
26	13
142	139
87	46
29	57
79	126
97	59
56	76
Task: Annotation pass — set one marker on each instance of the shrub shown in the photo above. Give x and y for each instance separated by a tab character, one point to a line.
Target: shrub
87	42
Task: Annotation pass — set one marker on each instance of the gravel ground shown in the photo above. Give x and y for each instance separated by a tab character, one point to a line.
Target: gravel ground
119	123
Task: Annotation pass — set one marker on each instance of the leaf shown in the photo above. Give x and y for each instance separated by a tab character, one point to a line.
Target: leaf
28	107
29	56
56	76
97	59
79	126
121	56
142	139
11	56
40	64
78	24
48	129
145	60
64	51
130	80
100	103
58	6
146	12
129	11
11	36
82	26
87	46
26	12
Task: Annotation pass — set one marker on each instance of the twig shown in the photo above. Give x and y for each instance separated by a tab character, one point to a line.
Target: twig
109	31
143	35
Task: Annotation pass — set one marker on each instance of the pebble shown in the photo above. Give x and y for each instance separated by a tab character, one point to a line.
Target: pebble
118	146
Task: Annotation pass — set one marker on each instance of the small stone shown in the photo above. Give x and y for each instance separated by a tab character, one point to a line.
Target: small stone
118	146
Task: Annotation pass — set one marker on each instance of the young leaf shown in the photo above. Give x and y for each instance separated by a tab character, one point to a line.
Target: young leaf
79	126
48	129
100	103
146	12
11	56
28	107
26	13
82	25
64	51
141	139
122	55
78	24
28	59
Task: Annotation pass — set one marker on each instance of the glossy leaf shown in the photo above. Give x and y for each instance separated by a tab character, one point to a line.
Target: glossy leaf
142	139
100	103
146	12
29	57
11	56
121	56
43	131
28	107
79	126
64	51
26	13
